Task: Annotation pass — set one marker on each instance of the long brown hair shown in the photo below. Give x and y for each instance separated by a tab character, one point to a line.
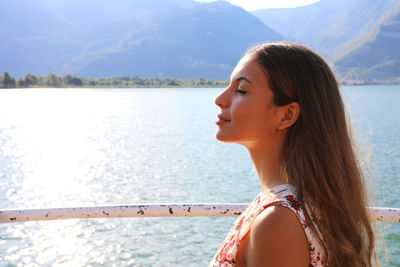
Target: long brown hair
320	160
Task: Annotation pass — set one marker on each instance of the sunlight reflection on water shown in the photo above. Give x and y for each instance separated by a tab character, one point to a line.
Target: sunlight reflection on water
84	147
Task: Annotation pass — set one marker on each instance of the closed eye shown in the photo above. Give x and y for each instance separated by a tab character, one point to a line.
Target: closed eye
240	91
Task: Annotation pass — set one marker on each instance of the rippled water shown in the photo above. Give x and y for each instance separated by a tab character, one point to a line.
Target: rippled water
110	146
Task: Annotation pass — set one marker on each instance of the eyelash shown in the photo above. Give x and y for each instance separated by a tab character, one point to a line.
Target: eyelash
240	91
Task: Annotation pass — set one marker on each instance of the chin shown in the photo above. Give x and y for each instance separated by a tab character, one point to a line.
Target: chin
220	136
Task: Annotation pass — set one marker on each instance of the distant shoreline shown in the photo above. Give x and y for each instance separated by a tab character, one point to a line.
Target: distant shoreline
110	87
373	82
72	81
165	87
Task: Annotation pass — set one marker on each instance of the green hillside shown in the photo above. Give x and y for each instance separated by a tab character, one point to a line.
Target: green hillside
333	27
147	38
194	42
190	40
378	59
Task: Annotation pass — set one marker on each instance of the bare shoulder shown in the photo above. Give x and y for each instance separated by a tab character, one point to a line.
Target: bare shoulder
276	238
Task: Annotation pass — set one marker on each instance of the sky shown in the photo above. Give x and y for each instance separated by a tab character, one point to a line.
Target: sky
251	5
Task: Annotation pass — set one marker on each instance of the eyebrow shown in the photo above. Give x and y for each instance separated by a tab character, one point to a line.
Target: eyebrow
242	78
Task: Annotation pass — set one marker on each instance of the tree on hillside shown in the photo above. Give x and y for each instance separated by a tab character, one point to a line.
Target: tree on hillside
92	82
31	80
173	83
124	78
9	81
73	80
201	81
21	83
116	82
53	80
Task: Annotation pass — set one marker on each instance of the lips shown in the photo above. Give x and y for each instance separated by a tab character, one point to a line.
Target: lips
221	120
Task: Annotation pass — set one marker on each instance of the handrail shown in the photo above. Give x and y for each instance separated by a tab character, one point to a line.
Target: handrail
391	215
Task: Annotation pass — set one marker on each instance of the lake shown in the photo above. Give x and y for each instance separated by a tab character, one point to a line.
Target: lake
71	147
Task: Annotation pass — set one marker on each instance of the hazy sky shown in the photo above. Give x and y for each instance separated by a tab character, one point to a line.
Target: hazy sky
250	5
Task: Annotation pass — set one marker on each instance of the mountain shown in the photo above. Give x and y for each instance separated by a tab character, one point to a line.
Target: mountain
34	38
88	14
378	59
332	27
202	41
151	38
189	39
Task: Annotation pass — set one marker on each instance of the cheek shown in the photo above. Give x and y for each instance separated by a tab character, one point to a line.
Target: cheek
246	115
253	118
240	110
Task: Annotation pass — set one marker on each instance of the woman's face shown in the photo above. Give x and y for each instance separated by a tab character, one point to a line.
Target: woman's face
248	114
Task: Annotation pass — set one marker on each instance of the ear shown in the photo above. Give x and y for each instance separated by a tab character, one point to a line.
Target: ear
288	115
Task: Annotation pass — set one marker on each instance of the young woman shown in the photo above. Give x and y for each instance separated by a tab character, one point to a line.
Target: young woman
283	104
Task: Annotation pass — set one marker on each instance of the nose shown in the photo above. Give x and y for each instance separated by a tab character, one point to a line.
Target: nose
222	100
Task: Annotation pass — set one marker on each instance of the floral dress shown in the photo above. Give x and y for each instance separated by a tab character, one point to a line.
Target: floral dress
283	195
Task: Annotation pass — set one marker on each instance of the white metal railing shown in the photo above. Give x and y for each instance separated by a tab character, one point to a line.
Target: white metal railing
152	210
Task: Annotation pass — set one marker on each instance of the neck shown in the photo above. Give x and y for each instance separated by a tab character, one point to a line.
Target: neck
267	162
